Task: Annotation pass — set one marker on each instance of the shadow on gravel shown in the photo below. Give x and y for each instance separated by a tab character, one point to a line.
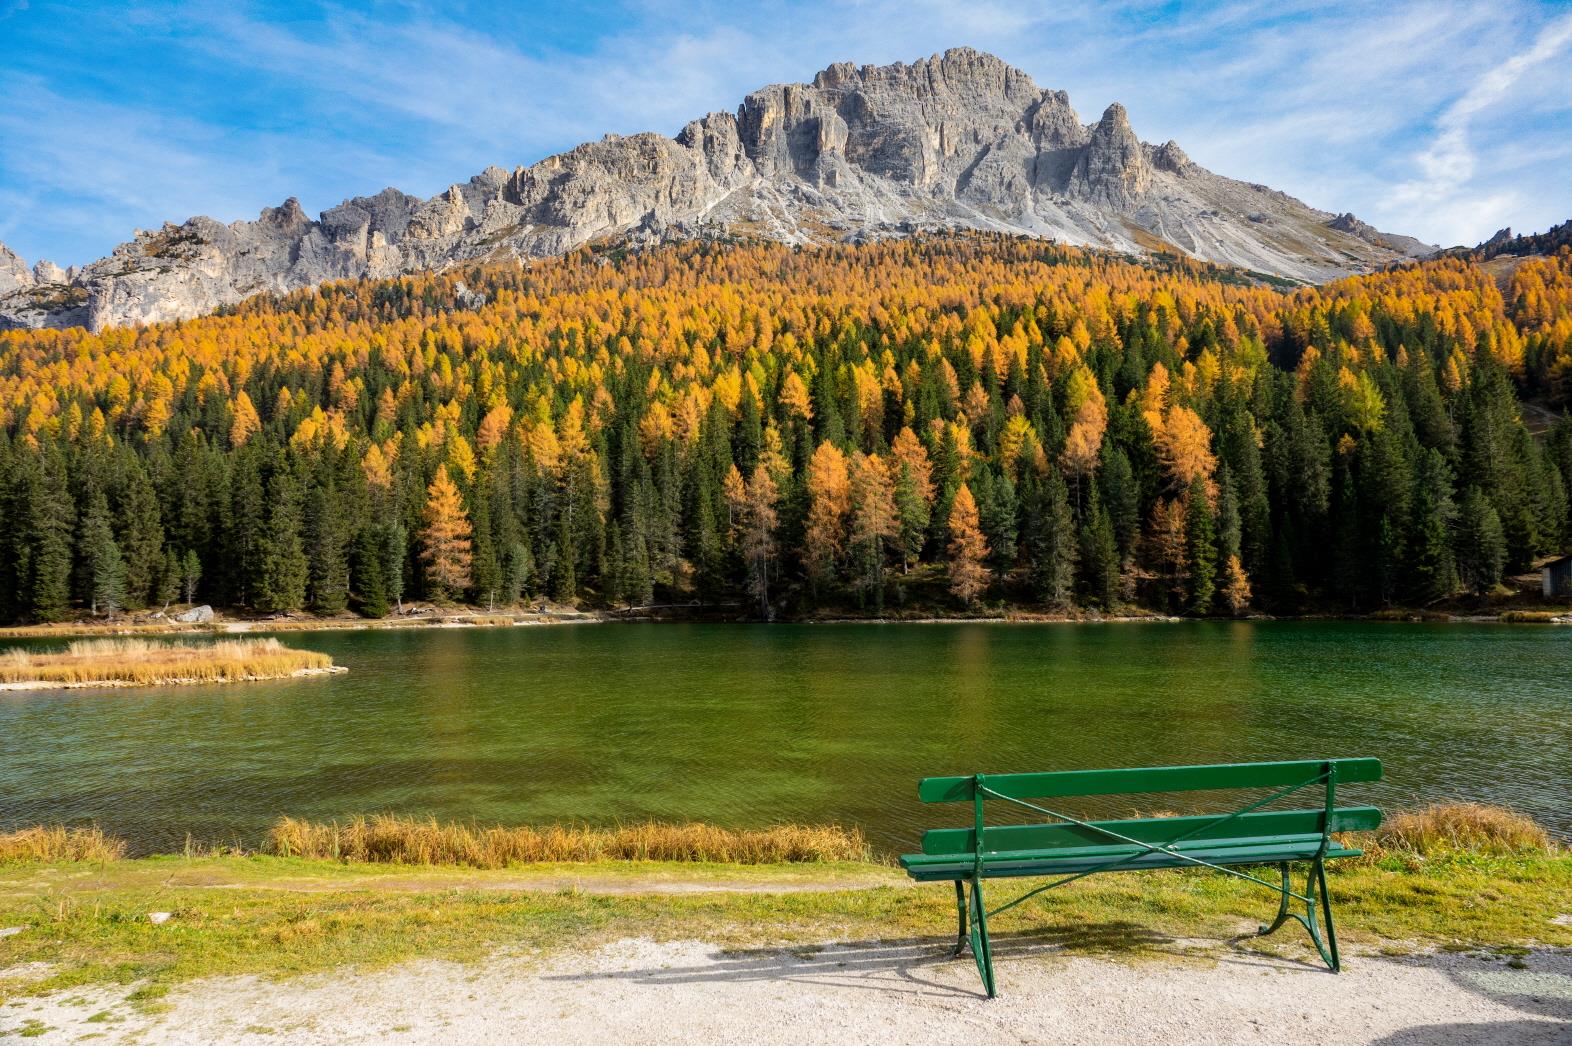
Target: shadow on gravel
904	965
1542	989
1491	1033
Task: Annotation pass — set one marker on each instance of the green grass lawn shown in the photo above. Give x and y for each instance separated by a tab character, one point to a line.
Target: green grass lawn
88	922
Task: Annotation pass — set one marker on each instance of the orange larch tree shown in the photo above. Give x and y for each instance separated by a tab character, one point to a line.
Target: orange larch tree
968	548
445	538
829	501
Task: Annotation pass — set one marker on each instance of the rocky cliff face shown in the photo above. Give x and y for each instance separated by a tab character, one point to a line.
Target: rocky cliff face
957	141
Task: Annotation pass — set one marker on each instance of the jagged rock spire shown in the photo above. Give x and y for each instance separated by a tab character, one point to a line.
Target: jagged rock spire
1112	170
14	273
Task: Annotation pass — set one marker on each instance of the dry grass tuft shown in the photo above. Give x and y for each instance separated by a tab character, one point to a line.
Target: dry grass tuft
55	843
1448	828
146	663
389	839
1437	831
1531	617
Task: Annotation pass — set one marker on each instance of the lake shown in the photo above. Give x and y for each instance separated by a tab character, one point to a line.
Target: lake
750	725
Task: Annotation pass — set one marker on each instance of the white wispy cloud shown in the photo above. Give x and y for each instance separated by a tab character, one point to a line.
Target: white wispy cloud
66	159
76	165
1448	183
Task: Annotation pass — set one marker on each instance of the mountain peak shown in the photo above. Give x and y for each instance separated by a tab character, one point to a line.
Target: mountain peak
1116	120
1113	171
1169	157
14	274
957	140
287	215
954	67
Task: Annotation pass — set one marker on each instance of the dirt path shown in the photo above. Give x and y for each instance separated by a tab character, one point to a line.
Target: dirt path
608	879
673	886
902	991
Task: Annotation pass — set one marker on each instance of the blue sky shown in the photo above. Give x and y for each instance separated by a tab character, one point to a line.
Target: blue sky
1442	120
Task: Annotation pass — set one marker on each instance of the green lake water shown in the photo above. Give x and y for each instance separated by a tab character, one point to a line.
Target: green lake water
751	725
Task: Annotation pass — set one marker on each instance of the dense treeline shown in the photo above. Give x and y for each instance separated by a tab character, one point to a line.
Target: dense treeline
983	418
1548	242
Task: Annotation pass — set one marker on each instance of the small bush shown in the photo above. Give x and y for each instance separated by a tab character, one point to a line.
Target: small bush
54	843
389	839
1450	828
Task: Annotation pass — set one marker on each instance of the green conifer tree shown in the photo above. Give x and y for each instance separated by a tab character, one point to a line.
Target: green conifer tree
1099	558
996	506
1481	547
1201	548
103	568
44	516
912	511
327	588
485	567
281	582
139	533
1431	566
190	575
1121	498
1052	550
395	554
367	574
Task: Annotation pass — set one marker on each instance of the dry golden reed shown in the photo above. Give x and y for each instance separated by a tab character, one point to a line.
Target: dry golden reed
1452	828
54	843
1461	828
140	661
390	839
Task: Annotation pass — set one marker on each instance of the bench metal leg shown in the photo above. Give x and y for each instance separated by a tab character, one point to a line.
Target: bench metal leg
1282	909
1316	882
1332	960
960	918
982	951
1315	887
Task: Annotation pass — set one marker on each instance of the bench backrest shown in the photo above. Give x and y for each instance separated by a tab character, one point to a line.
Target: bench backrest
1139	780
1147	779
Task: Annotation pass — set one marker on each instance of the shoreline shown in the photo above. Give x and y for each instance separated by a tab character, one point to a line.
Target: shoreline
487	619
221	626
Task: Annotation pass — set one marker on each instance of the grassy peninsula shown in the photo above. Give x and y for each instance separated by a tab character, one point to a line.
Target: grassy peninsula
140	662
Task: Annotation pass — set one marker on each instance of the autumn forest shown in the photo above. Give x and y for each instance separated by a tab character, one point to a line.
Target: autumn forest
949	424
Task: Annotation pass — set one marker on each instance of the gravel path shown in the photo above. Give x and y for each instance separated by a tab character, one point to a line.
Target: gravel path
900	992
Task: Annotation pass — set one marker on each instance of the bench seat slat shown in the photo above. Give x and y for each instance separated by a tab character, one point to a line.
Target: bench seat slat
1112	849
1146	780
1205	827
1305	843
959	866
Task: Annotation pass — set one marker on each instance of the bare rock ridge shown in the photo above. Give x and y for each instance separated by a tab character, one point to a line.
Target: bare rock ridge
1407	245
1504	243
957	141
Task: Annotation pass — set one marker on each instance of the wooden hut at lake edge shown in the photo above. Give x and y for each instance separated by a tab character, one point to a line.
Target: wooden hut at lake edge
1556	577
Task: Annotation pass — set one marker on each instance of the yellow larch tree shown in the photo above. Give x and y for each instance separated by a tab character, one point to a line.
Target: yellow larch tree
969	576
445	538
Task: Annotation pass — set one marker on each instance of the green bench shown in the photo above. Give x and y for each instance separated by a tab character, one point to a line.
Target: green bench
1071	849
